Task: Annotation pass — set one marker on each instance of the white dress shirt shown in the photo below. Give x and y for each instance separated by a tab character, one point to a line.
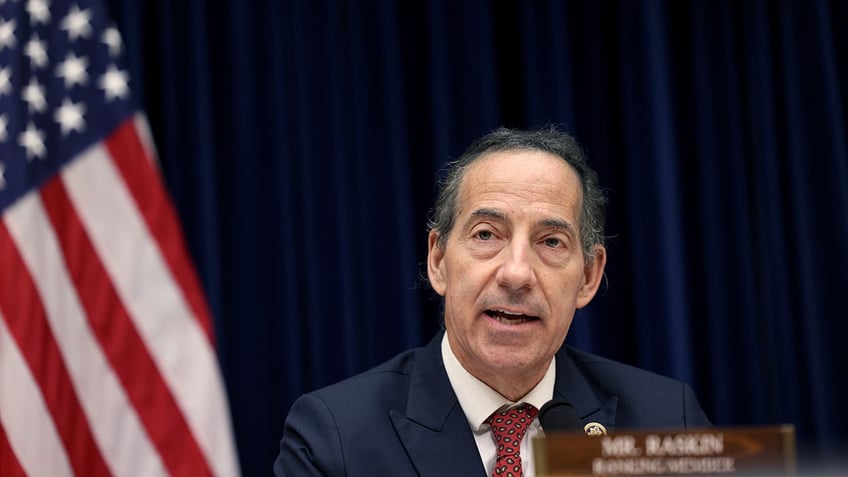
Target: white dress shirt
479	401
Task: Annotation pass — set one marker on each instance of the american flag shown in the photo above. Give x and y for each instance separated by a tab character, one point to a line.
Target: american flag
107	357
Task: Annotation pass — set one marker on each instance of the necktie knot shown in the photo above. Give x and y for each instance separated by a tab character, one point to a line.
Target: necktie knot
508	429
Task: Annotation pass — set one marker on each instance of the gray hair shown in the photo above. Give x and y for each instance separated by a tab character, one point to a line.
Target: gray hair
548	139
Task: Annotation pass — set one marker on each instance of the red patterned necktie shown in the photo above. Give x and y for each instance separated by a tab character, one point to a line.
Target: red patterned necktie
508	428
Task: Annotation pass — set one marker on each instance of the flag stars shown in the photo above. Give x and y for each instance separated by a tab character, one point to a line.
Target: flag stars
38	11
69	116
73	69
33	95
7	33
4	121
37	52
77	23
32	140
2	175
114	83
112	38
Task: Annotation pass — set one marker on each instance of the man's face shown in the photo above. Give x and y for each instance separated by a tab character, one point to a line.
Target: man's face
512	270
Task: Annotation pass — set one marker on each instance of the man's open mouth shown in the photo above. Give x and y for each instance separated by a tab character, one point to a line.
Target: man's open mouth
510	318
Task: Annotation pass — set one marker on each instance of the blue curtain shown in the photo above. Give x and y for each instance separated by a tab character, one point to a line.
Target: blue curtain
300	141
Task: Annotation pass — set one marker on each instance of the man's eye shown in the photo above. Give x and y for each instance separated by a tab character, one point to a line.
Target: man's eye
485	235
553	242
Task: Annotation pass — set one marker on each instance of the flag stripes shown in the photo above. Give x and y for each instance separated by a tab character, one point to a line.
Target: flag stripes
28	325
114	422
104	319
9	465
138	271
120	341
29	429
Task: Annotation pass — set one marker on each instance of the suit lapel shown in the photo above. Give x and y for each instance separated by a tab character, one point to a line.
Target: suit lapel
433	429
572	385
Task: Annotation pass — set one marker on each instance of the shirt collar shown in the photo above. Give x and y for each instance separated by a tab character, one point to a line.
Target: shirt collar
478	400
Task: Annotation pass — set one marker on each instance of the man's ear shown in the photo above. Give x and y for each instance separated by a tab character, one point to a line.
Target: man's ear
593	273
435	265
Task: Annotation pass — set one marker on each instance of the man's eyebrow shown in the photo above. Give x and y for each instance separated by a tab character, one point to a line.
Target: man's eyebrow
558	224
489	213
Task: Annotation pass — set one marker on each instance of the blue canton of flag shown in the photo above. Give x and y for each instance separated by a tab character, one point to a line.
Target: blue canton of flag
51	79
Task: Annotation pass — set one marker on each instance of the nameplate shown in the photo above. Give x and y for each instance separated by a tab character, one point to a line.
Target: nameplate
708	451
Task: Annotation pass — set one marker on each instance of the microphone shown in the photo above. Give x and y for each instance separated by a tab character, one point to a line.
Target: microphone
559	415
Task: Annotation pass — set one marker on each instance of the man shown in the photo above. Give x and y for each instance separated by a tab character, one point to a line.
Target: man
515	248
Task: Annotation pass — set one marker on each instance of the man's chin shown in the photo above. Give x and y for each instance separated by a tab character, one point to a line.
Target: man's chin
509	360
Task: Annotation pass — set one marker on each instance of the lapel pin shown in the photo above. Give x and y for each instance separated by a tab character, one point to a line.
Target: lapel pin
595	429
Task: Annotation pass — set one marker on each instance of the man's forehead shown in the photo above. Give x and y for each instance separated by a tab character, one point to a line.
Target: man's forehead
500	178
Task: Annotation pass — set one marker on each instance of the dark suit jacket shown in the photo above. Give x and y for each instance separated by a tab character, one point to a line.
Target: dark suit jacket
402	418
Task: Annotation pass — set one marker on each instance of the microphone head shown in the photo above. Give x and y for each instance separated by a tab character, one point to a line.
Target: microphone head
559	415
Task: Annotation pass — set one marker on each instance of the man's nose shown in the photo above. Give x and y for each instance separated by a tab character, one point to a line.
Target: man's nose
516	272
